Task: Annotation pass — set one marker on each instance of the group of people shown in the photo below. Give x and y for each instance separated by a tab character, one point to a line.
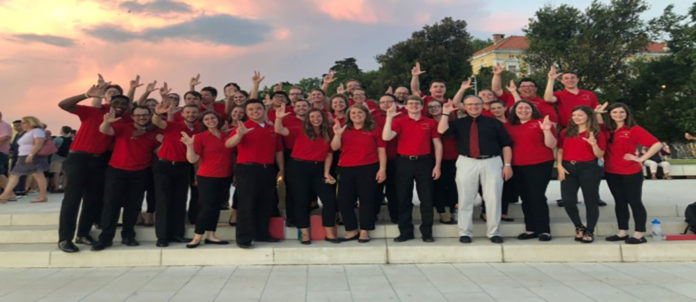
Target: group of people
345	151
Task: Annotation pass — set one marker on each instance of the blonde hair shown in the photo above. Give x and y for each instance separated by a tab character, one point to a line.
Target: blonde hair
32	121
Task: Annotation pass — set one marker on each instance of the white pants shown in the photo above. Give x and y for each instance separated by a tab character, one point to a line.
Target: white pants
471	172
653	166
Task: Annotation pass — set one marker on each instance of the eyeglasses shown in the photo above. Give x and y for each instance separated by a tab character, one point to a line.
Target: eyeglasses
473	105
141	115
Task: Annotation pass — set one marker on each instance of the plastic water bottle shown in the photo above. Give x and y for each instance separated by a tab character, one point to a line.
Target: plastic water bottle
657	230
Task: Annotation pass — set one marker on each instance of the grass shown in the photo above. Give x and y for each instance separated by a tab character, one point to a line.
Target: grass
688	161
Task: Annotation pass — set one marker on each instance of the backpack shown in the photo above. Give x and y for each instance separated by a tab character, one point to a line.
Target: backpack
690	218
64	148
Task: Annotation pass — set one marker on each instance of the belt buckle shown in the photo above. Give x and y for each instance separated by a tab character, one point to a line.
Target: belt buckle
573	162
411	157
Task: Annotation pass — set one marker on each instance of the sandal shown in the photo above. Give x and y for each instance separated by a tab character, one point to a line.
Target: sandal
579	233
587	238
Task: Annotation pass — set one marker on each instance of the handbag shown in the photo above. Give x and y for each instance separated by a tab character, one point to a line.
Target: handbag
48	148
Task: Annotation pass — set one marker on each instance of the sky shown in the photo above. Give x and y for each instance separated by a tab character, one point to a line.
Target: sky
53	49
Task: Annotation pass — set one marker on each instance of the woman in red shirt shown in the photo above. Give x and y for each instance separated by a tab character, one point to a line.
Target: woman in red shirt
214	170
624	170
236	116
363	154
339	104
533	141
579	147
445	189
311	162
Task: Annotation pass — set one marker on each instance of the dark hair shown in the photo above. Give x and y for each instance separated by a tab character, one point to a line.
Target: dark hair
229	114
17	121
66	129
149	111
117	87
232	84
123	97
296	87
318	89
437	81
194	93
190	106
393	97
283	93
356	89
340	96
253	101
592	124
323	128
244	93
496	101
369	122
212	90
629	122
527	80
217	116
303	100
573	72
414	98
514	119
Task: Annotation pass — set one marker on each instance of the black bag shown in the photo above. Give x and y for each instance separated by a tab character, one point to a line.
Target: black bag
64	148
690	218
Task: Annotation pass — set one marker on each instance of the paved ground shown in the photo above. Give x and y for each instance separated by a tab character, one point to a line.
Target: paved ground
432	282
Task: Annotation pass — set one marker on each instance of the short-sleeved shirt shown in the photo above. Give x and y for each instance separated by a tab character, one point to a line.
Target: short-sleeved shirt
371	105
544	107
415	136
291	122
132	151
215	159
567	101
172	148
359	147
491	133
528	147
625	141
259	145
272	112
577	149
88	138
309	149
5	130
26	142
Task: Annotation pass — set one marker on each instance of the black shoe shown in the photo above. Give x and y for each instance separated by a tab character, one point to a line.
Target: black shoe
193	245
86	240
306	242
559	202
451	221
545	237
130	242
68	247
497	239
221	242
402	238
99	245
614	238
464	239
333	240
351	238
364	240
162	243
525	236
508	219
244	245
601	203
180	239
428	239
269	239
634	240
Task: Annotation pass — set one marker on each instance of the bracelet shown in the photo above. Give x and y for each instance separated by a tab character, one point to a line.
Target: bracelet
508	165
446	114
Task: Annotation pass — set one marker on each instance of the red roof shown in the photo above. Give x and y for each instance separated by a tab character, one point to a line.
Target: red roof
522	43
655	47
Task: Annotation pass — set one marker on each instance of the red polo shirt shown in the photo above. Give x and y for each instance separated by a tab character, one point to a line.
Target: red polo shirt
381	118
359	147
415	136
271	113
88	138
132	153
566	101
218	107
449	147
215	159
291	122
309	149
371	106
427	99
528	146
259	145
487	113
545	108
625	141
577	149
172	148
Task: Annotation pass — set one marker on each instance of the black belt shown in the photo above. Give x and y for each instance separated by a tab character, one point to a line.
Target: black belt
576	162
84	153
482	156
256	165
308	161
173	163
415	157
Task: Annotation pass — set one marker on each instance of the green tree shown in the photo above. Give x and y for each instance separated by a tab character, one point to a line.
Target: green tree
443	49
308	84
595	43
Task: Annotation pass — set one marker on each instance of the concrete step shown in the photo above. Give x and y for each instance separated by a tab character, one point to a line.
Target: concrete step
559	227
377	251
515	211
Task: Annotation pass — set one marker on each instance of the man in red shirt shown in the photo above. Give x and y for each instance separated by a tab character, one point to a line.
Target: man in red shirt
208	103
126	175
568	98
259	149
527	89
437	88
414	162
84	167
172	173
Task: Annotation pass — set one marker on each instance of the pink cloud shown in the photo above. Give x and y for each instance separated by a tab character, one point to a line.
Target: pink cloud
348	10
503	22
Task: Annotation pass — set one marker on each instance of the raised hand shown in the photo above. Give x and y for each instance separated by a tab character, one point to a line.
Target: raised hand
136	82
341	89
497	70
151	87
688	136
164	90
591	139
257	78
110	117
195	81
601	108
186	139
97	91
553	75
162	107
391	111
448	108
280	112
546	124
390	90
330	77
512	87
466	84
278	87
241	129
416	70
337	128
632	157
100	79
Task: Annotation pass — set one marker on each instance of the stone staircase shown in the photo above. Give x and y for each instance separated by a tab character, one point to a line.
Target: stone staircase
28	239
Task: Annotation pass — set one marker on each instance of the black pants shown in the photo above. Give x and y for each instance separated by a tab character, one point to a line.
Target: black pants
84	174
192	212
585	176
308	185
445	189
388	189
531	182
122	189
628	191
210	191
290	184
171	186
150	195
357	183
256	190
420	170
